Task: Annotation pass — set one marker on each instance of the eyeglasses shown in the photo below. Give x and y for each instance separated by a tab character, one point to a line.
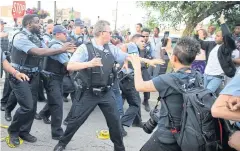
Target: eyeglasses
108	32
145	36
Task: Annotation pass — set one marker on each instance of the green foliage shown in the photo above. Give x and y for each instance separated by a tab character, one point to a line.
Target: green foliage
191	12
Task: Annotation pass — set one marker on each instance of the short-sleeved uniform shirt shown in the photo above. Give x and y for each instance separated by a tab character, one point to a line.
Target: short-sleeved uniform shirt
233	87
22	43
63	57
81	54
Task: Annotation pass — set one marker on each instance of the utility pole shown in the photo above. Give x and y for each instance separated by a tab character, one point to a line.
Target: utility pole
55	12
39	5
116	16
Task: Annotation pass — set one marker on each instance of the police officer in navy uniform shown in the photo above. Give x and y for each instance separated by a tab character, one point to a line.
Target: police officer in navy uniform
26	56
96	60
76	38
5	65
54	69
132	116
4	42
147	53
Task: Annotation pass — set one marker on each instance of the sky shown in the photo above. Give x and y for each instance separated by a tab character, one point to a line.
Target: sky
128	13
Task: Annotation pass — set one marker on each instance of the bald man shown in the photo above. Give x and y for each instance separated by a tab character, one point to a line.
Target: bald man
47	36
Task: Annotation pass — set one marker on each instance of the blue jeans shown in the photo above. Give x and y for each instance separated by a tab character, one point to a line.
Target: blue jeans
119	100
212	83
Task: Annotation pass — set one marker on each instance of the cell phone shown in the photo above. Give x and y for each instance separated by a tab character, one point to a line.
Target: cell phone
165	38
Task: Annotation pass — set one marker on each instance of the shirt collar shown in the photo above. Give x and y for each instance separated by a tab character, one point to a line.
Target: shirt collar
95	44
27	31
57	41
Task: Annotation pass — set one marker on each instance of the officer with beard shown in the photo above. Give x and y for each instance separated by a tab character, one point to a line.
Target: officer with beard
26	56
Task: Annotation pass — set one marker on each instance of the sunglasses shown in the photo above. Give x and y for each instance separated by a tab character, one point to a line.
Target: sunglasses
145	36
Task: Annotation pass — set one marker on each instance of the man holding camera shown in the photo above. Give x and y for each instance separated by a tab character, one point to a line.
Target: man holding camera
183	55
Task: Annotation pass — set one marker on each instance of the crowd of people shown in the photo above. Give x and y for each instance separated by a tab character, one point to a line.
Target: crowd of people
98	67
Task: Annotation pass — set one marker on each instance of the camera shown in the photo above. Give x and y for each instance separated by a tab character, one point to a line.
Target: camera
150	125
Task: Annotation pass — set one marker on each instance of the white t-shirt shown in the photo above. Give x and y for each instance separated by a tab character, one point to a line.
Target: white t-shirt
156	44
213	66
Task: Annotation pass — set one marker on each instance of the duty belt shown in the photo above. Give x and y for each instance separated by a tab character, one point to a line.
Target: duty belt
19	67
99	90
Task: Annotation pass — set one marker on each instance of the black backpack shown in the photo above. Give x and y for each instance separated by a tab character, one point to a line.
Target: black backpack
198	130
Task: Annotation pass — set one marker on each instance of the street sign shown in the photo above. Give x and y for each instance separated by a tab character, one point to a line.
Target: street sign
18	9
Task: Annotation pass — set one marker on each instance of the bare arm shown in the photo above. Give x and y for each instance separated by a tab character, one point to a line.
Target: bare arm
74	66
219	109
49	51
140	85
7	67
237	61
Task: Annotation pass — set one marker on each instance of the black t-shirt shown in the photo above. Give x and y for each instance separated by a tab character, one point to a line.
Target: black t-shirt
174	102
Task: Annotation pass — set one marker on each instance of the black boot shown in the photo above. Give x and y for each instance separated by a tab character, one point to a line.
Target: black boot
8	116
59	147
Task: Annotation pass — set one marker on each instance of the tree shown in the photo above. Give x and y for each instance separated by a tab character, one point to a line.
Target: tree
151	21
189	12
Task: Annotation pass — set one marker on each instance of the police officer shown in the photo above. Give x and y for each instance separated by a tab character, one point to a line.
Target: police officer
132	115
95	60
97	90
77	34
47	36
54	70
26	52
8	68
4	46
147	53
77	39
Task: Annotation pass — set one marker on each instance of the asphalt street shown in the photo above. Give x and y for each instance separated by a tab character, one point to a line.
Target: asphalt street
85	139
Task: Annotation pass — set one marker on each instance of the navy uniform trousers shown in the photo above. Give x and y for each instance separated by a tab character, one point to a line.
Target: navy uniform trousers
26	94
82	108
133	113
6	91
54	106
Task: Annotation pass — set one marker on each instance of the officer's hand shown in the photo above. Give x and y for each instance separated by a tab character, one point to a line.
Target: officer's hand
95	62
135	60
21	77
234	140
233	103
69	47
154	62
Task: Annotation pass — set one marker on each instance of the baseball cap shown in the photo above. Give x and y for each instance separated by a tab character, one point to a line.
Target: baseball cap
79	22
2	22
59	29
132	48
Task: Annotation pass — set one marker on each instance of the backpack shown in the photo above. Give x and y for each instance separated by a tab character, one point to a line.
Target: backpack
198	130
